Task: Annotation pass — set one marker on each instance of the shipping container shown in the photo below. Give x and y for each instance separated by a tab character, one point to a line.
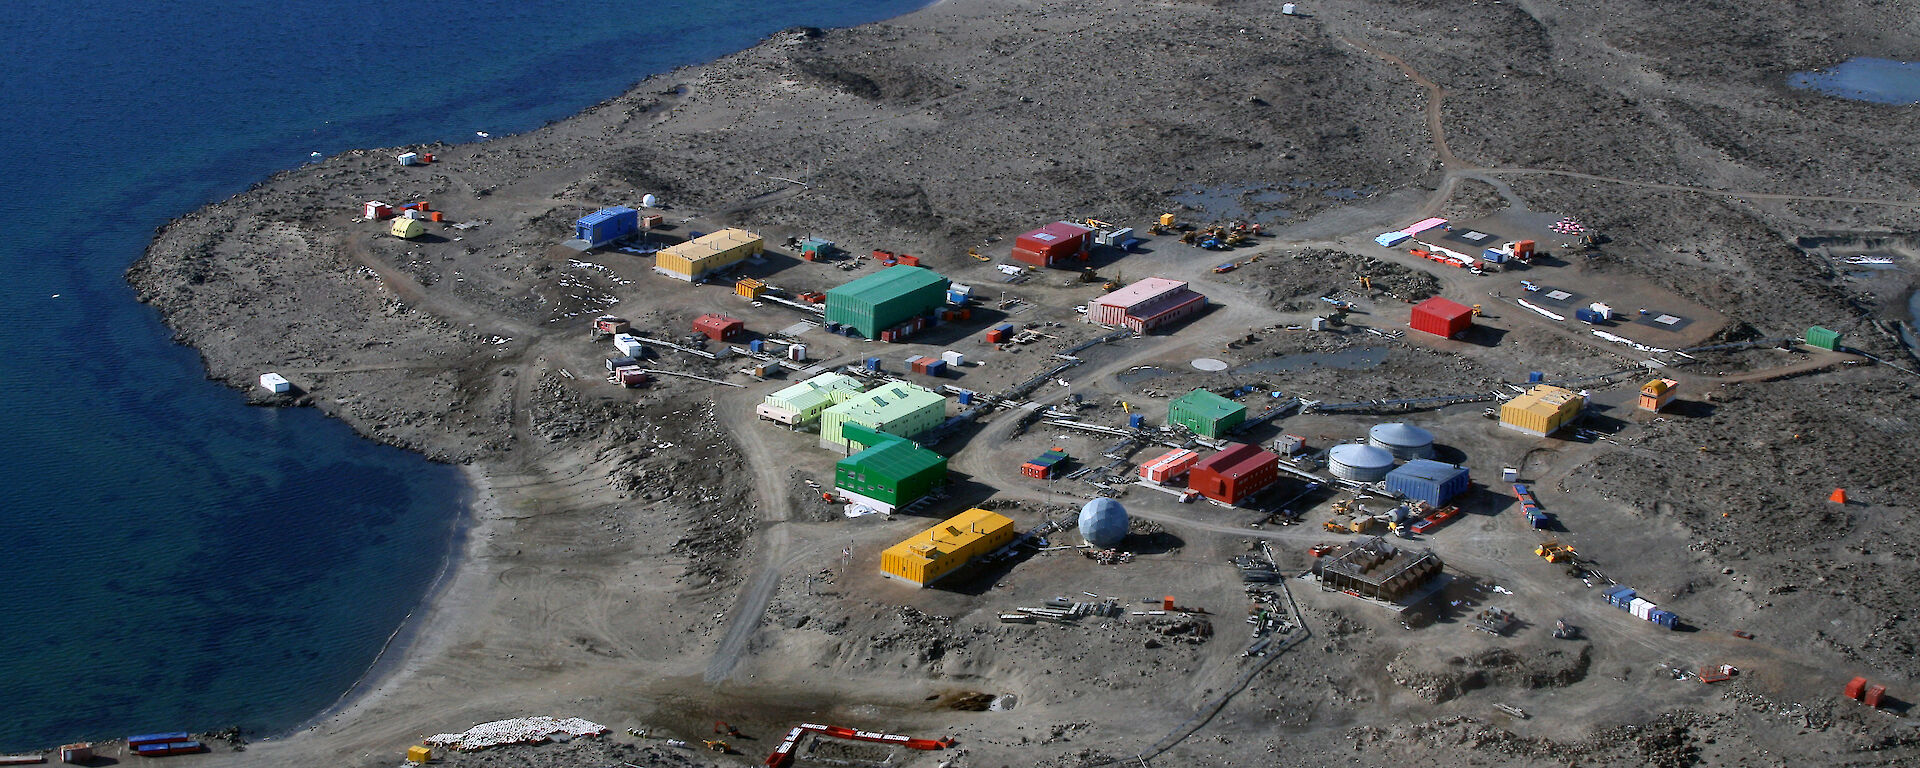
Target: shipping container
1441	317
1874	695
616	363
652	222
158	738
1588	316
1823	338
629	345
376	210
1855	688
632	376
936	368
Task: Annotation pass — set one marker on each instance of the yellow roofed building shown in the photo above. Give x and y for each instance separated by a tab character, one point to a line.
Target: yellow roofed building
695	259
1656	394
942	549
1542	410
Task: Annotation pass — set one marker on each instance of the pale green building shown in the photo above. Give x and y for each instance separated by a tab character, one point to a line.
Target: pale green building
801	404
899	409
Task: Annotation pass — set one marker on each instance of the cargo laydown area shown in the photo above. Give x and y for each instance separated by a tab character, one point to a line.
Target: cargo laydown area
1108	384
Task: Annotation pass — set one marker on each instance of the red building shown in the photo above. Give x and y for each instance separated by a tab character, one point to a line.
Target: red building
1441	317
1052	244
1235	474
717	327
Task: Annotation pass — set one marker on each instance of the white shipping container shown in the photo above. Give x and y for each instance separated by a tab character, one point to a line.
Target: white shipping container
629	345
1639	608
953	359
275	383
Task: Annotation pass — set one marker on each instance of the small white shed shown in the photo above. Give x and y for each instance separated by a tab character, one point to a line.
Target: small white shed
275	383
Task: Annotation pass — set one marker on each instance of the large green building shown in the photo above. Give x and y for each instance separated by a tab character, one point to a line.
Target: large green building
891	473
1207	414
899	409
886	299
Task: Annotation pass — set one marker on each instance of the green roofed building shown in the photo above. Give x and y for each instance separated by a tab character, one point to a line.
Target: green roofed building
1207	414
886	299
801	404
899	409
1823	338
890	474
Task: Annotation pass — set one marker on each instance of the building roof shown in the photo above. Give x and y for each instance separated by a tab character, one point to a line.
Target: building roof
1427	469
1231	456
895	459
1400	433
951	534
1658	386
1141	292
710	245
1360	455
884	404
1446	308
1208	405
604	214
887	284
817	392
1546	399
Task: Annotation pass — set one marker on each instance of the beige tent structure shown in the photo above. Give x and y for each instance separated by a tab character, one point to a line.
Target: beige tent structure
408	228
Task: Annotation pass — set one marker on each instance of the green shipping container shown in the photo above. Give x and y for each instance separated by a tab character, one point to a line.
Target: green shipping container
1823	338
894	472
1207	414
886	299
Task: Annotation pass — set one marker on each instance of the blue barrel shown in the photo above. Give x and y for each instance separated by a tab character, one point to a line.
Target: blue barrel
1136	421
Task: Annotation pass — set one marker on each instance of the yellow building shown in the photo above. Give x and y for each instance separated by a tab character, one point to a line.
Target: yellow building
938	551
1541	410
706	254
1656	394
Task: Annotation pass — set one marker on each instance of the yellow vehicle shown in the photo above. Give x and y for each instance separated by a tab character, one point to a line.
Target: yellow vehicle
1555	552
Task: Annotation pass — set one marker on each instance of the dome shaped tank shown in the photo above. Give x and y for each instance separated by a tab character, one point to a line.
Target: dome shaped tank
1103	522
1404	441
1359	463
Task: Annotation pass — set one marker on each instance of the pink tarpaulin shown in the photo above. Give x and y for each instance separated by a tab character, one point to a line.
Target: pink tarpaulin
1424	226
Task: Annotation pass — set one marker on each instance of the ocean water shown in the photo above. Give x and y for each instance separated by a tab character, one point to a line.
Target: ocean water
173	558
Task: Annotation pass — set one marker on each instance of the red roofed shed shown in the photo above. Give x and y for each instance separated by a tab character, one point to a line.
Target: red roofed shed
717	327
1052	244
1441	317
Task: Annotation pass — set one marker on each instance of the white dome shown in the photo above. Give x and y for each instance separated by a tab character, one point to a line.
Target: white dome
1103	523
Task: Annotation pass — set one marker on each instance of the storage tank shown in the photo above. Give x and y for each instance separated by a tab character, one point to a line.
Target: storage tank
1359	463
1103	523
1404	441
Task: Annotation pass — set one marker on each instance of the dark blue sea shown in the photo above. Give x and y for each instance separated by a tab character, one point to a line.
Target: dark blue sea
171	559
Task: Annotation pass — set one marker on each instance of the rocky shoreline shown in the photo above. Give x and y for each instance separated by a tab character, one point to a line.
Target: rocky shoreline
611	533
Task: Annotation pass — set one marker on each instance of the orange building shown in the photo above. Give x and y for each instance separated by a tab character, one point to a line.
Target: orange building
1656	394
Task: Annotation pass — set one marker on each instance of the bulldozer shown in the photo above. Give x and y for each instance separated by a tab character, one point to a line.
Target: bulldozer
1555	552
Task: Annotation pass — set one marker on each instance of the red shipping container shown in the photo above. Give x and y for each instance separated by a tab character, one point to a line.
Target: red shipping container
717	327
995	336
1441	317
1856	687
911	261
653	222
883	255
1874	693
1235	474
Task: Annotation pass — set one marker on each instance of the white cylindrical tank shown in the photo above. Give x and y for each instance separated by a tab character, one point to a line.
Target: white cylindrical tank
797	352
1359	463
649	201
1404	441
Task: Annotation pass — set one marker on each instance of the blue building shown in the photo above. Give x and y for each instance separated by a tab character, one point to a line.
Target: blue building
607	225
1428	480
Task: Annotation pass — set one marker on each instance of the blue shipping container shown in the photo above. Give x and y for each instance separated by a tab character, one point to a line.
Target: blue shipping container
1004	327
1494	256
607	225
1588	316
873	363
966	397
1136	420
937	368
1535	377
757	345
1429	481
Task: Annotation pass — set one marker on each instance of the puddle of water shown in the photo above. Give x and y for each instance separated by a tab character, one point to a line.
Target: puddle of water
1245	202
1881	81
1347	360
1137	375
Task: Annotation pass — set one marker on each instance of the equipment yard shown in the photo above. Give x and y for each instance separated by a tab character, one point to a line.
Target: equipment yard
661	547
